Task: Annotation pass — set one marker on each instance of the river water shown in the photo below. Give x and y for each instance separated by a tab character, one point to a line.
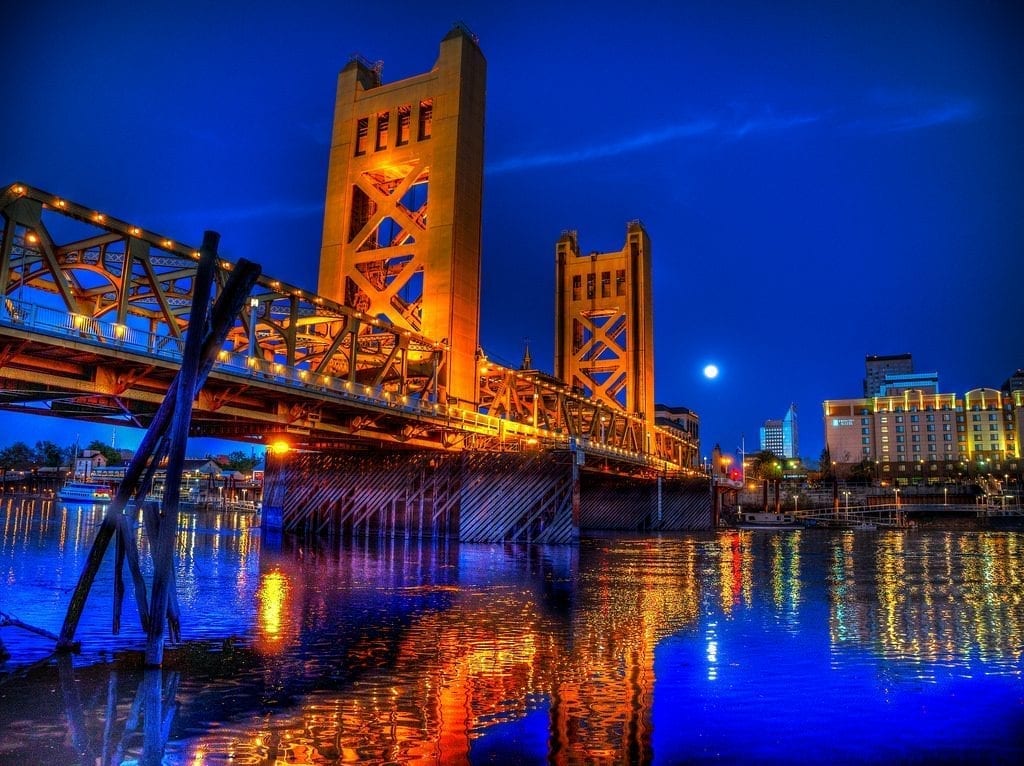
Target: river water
764	647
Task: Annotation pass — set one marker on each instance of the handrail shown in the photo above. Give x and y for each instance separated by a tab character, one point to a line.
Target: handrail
60	324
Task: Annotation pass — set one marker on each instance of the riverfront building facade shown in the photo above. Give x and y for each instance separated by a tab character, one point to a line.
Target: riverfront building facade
919	434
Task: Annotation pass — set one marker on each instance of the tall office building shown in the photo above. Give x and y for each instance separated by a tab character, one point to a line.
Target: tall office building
781	436
876	368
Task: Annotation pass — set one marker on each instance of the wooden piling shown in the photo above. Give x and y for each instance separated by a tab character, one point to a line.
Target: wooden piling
226	309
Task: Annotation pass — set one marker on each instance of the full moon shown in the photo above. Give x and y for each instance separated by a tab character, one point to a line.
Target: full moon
711	371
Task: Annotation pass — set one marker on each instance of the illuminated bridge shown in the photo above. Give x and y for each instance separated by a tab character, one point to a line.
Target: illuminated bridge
393	418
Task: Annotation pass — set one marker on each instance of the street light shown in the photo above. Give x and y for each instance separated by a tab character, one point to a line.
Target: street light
846	495
945	495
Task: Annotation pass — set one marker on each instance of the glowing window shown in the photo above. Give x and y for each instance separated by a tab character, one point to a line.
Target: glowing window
426	118
404	125
362	132
383	120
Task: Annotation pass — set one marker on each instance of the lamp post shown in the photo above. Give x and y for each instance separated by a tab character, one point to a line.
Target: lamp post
945	495
846	496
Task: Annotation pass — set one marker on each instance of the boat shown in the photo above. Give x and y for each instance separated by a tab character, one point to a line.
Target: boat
765	520
865	526
84	492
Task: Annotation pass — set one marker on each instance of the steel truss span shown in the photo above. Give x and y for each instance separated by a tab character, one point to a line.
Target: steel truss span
94	310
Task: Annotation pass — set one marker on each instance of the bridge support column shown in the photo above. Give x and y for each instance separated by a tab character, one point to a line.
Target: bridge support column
656	504
472	496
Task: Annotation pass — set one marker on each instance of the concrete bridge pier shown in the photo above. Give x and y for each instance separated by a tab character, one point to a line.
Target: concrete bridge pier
488	497
470	496
661	504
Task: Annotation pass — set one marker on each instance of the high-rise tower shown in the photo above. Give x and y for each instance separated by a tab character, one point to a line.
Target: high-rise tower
401	238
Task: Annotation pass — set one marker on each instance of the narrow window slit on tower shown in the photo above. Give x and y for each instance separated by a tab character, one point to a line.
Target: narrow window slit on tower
382	130
362	132
404	125
426	118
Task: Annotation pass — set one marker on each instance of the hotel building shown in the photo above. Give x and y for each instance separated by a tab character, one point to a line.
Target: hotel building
919	434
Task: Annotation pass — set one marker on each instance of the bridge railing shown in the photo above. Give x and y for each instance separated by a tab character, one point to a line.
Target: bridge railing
63	325
110	335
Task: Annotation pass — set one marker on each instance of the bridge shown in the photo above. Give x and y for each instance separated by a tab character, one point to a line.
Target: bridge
378	408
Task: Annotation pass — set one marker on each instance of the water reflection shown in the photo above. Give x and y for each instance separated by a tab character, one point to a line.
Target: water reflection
939	598
622	650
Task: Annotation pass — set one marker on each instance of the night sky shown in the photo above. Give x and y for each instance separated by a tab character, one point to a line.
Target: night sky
820	181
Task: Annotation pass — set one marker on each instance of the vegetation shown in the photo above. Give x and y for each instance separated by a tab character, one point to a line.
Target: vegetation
764	465
239	461
112	455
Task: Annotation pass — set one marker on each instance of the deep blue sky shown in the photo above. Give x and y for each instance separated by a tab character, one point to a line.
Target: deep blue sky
820	181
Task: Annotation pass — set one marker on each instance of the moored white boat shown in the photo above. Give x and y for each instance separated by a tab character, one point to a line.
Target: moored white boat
84	492
765	520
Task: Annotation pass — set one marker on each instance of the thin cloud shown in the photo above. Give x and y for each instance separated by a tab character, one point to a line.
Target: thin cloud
624	146
963	111
902	114
907	112
699	128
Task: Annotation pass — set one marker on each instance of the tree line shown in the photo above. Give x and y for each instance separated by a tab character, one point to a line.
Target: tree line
47	454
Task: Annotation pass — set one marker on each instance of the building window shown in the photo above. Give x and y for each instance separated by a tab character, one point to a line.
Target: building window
383	120
362	133
606	284
404	125
591	279
426	118
620	281
576	286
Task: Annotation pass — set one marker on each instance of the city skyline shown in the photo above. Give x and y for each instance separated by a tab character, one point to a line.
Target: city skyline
819	184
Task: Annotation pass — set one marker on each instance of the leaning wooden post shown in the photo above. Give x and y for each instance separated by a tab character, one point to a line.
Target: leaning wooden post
229	304
163	546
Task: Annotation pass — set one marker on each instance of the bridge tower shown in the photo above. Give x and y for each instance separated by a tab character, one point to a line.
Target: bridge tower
401	236
604	324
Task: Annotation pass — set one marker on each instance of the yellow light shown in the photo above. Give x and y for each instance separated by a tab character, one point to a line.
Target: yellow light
31	237
280	447
168	243
61	203
135	231
99	217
